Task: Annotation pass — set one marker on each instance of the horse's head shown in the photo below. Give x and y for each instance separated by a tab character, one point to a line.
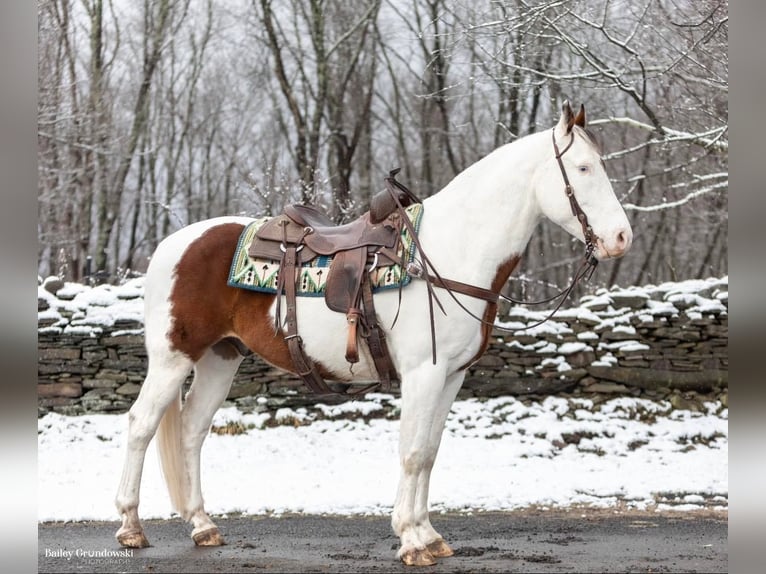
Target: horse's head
574	167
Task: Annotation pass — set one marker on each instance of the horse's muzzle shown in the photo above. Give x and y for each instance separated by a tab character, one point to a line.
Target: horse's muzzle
615	245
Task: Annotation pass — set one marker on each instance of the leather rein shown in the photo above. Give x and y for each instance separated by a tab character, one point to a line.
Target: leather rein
425	270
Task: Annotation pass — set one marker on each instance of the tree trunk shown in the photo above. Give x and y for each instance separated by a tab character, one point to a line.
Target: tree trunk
109	202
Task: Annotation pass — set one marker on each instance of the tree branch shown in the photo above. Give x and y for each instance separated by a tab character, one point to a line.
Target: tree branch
711	140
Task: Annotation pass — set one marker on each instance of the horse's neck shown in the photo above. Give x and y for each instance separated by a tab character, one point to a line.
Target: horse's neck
484	216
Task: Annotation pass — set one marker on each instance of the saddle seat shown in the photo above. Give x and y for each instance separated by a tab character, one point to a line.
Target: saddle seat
326	238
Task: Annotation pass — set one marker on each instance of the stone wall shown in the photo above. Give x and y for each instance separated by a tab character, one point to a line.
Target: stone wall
666	342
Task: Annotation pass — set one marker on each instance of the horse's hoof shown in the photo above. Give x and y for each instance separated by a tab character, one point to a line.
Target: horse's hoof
132	539
208	537
440	549
418	557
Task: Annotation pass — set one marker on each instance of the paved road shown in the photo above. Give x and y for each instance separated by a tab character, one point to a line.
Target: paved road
528	541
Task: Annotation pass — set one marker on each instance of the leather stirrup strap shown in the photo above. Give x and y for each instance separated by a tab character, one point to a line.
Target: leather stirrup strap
352	347
303	364
376	339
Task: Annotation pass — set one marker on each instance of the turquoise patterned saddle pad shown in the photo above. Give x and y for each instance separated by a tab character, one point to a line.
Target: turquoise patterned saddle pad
262	274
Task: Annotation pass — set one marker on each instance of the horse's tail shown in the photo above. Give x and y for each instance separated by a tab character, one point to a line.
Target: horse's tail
171	455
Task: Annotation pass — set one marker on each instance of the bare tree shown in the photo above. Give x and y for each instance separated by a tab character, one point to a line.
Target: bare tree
324	66
305	89
73	123
153	115
351	75
654	75
157	23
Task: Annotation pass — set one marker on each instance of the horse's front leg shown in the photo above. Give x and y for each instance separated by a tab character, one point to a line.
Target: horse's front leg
434	541
426	399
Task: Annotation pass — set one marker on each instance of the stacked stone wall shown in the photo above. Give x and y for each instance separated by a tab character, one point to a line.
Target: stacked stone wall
668	342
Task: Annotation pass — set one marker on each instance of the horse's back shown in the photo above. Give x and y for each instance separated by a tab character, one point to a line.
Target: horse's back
166	258
173	246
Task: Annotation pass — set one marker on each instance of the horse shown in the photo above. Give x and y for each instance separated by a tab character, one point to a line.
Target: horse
474	231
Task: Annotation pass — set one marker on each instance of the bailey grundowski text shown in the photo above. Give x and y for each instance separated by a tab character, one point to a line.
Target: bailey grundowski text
82	553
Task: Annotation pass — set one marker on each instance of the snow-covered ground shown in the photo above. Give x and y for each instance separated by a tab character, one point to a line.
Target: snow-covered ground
497	454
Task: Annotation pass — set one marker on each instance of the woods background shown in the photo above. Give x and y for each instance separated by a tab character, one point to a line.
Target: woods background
156	114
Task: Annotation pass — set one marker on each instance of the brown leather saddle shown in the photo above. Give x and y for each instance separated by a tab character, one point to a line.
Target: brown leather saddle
302	233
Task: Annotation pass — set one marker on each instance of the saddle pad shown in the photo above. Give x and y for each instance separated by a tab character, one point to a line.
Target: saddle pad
261	274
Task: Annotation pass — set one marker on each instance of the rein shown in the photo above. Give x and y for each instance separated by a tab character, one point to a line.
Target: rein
433	278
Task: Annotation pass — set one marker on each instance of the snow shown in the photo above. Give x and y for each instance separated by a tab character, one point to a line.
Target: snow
498	454
625	346
627	329
606	360
78	309
587	336
572	348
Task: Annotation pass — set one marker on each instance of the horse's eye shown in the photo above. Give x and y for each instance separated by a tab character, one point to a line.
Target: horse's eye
583	168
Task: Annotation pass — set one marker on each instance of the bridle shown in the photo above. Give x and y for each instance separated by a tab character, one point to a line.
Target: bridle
587	230
587	264
433	278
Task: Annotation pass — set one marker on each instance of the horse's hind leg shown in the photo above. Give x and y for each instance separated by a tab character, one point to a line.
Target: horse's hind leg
212	380
166	373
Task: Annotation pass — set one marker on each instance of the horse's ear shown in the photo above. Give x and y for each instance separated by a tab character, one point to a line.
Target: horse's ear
567	119
580	119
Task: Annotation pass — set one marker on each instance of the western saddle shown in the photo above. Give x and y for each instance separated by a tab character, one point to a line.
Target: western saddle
302	233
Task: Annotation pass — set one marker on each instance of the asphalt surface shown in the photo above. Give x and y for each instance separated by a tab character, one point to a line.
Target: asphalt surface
525	541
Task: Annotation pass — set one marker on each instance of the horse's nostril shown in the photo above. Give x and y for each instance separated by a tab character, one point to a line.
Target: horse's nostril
622	239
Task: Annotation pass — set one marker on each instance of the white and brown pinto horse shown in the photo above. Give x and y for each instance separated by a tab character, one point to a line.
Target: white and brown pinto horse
473	231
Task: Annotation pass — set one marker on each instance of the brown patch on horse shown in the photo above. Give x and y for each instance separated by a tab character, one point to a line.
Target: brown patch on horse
208	313
501	276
